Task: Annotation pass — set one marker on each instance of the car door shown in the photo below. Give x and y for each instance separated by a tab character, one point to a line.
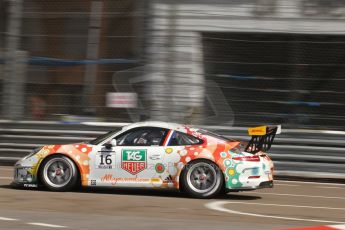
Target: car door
102	164
135	161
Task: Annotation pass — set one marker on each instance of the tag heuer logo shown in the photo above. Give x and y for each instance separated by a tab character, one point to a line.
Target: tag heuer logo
133	161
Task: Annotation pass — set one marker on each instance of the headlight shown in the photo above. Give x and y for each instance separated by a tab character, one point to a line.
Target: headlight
33	152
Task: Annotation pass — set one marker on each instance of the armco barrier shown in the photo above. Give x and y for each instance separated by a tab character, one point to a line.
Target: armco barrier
313	154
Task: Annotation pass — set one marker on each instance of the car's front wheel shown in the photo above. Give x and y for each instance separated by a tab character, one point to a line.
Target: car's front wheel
202	179
59	173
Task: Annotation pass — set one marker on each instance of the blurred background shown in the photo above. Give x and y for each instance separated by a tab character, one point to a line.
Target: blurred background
72	69
231	63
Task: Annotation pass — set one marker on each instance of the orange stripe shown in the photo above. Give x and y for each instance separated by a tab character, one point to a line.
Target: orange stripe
167	137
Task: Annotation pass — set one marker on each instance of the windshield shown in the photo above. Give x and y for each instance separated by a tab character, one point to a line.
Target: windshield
102	138
211	134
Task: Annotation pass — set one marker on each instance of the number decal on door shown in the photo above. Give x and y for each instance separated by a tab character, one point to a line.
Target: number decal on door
105	161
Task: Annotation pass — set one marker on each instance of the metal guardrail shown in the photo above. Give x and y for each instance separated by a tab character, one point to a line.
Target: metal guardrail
296	153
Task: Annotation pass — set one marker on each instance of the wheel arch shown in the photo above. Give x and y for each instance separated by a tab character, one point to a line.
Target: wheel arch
50	156
179	182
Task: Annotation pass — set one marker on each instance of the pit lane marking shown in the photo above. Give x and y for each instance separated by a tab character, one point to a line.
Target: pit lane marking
219	206
298	195
47	225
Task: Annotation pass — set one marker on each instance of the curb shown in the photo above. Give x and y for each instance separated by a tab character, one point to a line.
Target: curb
324	227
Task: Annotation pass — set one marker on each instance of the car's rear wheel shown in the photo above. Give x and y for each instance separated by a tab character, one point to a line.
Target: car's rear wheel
202	179
59	173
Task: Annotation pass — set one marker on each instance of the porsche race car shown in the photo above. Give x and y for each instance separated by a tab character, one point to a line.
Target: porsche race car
154	155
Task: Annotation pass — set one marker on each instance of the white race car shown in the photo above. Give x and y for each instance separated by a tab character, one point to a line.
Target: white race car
154	155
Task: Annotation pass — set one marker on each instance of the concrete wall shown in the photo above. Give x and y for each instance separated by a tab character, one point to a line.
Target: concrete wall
174	47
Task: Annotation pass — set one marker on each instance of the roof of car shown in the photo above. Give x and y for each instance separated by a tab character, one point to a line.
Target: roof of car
160	124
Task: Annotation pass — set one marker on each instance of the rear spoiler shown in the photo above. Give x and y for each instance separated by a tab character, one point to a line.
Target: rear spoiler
262	138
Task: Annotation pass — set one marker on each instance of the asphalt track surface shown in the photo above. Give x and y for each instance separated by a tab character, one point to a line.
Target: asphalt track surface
287	205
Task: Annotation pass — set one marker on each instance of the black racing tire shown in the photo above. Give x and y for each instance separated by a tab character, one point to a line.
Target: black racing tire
59	173
202	179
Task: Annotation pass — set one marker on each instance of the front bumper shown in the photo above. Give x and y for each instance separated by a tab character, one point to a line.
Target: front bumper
24	176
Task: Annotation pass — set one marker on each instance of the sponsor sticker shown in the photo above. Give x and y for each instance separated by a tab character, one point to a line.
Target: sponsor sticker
134	160
30	185
257	131
109	178
168	179
156	180
160	168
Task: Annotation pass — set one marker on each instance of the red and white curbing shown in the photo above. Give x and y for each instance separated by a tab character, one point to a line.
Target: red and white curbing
325	227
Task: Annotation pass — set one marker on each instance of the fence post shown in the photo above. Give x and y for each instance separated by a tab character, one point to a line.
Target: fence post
10	93
92	52
17	101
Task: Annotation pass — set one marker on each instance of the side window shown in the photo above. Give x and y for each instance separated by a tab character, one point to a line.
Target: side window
142	137
179	138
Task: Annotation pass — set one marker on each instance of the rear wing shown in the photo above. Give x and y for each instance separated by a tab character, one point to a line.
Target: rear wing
262	138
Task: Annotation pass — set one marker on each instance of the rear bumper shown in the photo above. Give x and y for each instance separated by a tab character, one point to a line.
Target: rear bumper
264	184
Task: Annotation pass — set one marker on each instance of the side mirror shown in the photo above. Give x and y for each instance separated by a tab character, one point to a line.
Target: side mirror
110	144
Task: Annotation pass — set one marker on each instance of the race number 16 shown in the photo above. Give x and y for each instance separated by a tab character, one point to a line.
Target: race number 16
105	161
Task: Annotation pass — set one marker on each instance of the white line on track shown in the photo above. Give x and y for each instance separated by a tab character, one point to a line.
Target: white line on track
47	225
300	195
218	206
287	205
36	224
7	219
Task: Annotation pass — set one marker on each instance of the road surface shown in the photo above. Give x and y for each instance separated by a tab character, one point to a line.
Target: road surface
287	205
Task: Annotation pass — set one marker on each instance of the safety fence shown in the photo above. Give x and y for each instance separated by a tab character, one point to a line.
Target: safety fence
297	153
59	57
200	62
